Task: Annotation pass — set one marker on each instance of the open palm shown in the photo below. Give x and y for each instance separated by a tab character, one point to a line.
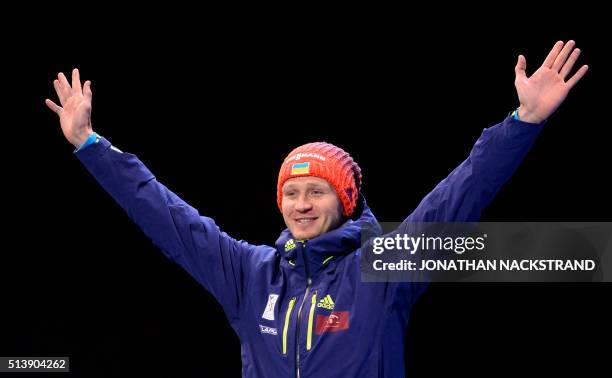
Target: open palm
75	112
542	93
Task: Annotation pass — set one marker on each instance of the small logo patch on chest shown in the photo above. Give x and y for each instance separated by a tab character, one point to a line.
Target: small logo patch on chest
269	311
268	330
337	321
327	302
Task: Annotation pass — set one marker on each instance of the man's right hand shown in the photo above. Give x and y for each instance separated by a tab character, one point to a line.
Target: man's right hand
75	112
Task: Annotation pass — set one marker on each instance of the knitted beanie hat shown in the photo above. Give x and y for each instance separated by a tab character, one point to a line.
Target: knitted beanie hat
326	161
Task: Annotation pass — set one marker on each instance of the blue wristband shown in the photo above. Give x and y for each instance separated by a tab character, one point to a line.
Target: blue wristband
91	140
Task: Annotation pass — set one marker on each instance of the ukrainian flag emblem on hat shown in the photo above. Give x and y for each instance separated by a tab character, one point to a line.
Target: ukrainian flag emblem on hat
300	168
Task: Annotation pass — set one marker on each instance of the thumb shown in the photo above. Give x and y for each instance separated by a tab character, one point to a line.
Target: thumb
521	65
53	106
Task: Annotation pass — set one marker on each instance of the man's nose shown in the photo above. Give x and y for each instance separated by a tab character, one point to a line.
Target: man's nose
303	204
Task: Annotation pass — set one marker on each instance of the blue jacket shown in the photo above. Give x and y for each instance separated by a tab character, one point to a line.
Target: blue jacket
300	308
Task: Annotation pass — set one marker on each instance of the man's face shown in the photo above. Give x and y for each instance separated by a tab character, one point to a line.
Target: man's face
311	207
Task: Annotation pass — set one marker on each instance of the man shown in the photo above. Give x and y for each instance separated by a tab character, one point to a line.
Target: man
300	308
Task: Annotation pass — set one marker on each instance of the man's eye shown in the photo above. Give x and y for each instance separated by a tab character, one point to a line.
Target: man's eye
290	194
317	192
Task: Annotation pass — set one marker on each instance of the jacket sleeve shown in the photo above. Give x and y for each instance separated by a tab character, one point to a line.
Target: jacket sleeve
213	258
471	186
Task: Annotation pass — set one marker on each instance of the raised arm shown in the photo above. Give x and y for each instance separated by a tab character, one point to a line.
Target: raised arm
471	186
217	261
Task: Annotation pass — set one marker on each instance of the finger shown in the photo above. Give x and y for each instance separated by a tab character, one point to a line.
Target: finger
577	76
64	85
87	90
53	106
567	67
521	66
552	55
58	90
562	57
76	82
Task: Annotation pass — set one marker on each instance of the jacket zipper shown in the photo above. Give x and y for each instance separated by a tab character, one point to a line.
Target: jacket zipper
310	317
286	326
299	315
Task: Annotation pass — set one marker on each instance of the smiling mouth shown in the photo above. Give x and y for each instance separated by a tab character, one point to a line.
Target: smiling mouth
305	220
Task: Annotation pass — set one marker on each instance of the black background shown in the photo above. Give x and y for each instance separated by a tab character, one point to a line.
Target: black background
201	97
